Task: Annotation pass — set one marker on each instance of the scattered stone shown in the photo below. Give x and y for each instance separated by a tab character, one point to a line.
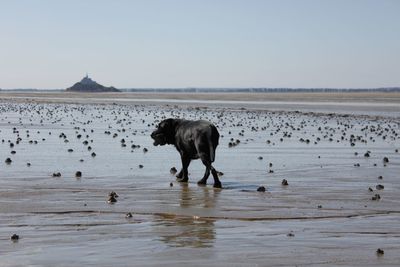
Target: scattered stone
141	166
145	150
285	182
113	194
291	234
14	237
376	197
379	187
173	170
367	155
385	160
171	184
380	177
28	164
56	174
261	189
93	154
78	174
370	189
128	215
8	161
380	252
112	200
320	206
260	158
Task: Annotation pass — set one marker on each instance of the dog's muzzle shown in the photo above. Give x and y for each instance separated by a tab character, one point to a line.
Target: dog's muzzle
158	138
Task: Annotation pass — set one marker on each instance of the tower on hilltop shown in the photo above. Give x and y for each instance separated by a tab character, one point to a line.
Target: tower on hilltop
89	85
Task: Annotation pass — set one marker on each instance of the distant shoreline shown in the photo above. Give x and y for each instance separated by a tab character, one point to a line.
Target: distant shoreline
358	97
228	90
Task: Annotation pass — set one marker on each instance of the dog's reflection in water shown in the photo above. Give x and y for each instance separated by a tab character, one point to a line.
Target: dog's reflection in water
189	230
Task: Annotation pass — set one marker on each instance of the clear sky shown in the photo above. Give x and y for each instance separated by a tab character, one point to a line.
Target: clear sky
202	43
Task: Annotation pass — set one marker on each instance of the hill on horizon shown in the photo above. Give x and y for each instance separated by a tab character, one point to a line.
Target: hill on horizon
88	85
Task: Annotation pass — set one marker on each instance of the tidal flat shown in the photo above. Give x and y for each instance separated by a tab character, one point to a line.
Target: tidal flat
340	205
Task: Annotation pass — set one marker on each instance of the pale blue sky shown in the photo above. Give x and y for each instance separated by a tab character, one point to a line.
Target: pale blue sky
187	43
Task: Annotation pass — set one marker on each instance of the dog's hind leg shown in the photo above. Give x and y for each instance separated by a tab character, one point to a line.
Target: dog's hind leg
206	161
180	174
217	182
185	172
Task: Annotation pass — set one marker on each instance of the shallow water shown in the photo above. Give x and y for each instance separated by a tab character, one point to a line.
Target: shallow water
389	107
325	216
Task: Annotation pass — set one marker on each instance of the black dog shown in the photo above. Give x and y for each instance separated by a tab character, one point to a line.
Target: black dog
193	140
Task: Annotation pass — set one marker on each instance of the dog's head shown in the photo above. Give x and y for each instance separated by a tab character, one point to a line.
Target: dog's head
165	132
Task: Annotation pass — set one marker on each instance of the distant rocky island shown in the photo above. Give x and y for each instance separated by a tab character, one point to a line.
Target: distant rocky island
88	85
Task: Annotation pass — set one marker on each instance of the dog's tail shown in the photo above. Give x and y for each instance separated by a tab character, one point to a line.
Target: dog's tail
214	142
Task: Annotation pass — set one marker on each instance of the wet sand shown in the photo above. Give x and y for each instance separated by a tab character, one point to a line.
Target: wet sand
371	103
324	217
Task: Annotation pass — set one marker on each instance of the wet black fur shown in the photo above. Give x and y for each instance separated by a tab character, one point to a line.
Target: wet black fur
193	140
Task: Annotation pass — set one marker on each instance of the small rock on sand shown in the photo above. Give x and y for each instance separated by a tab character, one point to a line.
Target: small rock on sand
112	197
173	170
380	252
112	200
376	197
14	237
113	194
261	189
379	187
291	234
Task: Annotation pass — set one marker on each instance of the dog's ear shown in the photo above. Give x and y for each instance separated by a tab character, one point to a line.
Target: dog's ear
170	130
164	125
171	124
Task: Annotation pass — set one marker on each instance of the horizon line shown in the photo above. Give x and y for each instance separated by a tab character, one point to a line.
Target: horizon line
223	88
